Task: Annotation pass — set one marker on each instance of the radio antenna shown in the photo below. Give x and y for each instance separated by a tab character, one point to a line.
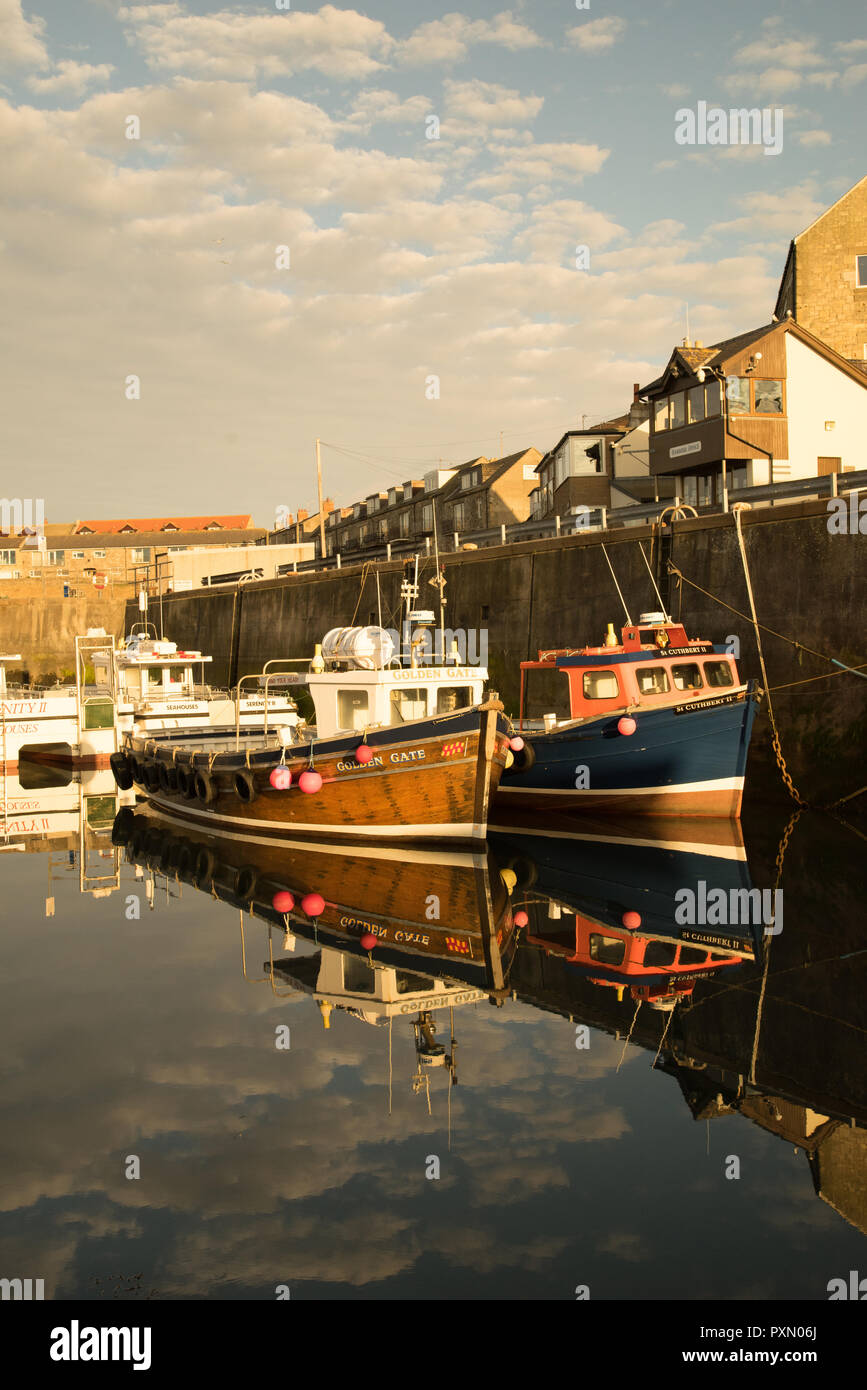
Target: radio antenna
617	586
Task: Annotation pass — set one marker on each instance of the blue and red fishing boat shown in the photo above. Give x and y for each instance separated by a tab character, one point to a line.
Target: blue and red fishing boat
659	723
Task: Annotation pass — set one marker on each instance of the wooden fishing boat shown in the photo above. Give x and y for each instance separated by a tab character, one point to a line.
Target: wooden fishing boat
396	905
399	749
659	724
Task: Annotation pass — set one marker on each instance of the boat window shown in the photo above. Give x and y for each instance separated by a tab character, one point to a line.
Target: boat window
691	955
652	680
718	673
408	704
451	697
600	685
687	676
155	675
358	978
352	709
409	983
608	950
659	953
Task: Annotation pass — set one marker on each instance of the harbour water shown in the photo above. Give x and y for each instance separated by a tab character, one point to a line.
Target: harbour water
188	1110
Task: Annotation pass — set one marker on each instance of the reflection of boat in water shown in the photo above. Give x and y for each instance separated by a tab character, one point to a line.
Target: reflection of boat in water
392	904
66	815
644	870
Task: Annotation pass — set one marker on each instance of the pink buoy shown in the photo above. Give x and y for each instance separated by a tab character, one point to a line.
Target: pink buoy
364	753
521	919
626	725
368	941
313	904
632	920
310	781
283	901
281	778
516	743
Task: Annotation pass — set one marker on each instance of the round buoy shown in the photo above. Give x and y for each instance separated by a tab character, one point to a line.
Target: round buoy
631	919
368	941
310	781
281	778
516	743
313	904
510	878
364	753
521	919
626	725
283	901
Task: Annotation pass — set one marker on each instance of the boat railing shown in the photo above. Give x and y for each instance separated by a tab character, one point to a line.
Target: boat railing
266	676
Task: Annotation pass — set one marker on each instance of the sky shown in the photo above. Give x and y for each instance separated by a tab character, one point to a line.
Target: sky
229	228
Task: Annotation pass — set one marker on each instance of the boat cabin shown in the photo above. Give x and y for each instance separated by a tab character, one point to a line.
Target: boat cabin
357	682
620	956
655	663
151	671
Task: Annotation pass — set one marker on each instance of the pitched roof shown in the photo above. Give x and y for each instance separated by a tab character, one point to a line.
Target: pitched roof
114	527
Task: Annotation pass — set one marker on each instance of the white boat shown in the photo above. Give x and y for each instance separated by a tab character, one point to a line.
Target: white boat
143	684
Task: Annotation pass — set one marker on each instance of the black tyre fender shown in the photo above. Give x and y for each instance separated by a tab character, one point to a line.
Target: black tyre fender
119	764
152	775
187	782
247	882
206	787
525	759
204	866
122	827
244	785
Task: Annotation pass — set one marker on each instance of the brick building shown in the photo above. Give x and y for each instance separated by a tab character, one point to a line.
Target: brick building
824	284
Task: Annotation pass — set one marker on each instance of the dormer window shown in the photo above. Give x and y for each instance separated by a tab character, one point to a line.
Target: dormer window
861	272
211	526
170	526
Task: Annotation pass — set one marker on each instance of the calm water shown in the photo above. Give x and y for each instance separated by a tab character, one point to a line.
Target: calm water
306	1164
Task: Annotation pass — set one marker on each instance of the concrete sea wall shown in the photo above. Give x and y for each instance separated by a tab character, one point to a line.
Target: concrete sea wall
809	585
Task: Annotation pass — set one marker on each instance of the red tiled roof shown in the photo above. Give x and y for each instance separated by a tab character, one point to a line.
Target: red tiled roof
161	523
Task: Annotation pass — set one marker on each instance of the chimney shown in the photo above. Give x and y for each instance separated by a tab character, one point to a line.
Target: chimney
699	343
327	506
303	514
636	387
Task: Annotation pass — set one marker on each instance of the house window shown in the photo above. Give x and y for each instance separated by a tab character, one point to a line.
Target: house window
404	523
7	557
600	685
427	517
712	399
142	555
468	480
695	398
738	395
55	557
769	397
660	417
678	409
459	514
861	272
736	476
78	554
99	554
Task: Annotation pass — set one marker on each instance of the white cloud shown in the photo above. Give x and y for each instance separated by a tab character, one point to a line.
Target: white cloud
21	39
792	53
70	76
448	40
814	137
341	43
594	35
382	107
472	106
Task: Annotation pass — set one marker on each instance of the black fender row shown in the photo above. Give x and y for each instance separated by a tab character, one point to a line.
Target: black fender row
156	848
182	779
